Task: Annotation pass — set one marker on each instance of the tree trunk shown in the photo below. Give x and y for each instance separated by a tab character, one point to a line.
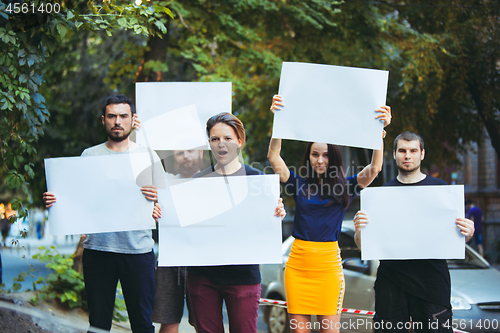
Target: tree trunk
485	114
157	52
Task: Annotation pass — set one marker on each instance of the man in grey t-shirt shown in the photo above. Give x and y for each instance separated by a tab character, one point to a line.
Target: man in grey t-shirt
125	256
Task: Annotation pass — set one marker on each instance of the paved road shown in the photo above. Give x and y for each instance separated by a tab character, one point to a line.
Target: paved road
184	327
13	263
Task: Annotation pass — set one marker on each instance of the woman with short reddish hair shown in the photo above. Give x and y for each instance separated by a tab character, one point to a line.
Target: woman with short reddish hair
236	285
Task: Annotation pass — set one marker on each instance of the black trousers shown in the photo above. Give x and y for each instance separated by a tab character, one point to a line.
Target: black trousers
136	273
398	311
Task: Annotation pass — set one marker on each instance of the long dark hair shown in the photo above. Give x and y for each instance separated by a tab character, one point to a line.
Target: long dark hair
333	183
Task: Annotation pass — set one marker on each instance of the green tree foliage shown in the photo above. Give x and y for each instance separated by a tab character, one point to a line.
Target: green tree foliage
449	87
204	41
244	42
29	35
23	108
223	42
442	57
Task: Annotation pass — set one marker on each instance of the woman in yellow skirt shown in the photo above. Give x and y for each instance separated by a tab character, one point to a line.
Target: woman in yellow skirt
314	280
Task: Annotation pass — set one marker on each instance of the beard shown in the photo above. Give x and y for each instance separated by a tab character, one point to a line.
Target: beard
406	170
188	168
116	137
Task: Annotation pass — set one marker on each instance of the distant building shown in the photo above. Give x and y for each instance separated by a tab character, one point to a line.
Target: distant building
480	173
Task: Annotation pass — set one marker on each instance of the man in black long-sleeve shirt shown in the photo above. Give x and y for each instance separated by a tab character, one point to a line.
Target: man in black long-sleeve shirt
419	289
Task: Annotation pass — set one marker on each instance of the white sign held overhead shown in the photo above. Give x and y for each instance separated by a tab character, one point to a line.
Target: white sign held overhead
331	104
156	99
412	222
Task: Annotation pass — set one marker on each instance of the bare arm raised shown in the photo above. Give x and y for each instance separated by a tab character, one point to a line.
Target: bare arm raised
273	155
369	172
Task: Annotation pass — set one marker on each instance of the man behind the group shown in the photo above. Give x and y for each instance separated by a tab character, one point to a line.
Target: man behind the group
127	255
419	289
171	281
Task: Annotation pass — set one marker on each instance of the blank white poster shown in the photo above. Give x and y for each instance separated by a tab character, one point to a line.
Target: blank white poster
412	222
331	104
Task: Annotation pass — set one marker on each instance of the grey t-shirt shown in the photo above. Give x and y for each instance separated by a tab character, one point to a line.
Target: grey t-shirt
130	242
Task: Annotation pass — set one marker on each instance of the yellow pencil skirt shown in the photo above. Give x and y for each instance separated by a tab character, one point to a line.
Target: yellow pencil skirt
314	280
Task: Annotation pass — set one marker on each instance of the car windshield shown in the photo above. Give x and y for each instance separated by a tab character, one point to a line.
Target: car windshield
471	261
348	246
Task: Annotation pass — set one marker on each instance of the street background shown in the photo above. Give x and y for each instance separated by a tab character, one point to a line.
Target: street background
18	258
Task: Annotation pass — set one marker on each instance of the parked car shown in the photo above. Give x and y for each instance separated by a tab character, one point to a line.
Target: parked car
475	289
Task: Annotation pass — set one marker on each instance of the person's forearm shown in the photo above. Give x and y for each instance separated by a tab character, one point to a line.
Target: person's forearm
273	155
357	239
368	174
277	163
377	159
275	145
